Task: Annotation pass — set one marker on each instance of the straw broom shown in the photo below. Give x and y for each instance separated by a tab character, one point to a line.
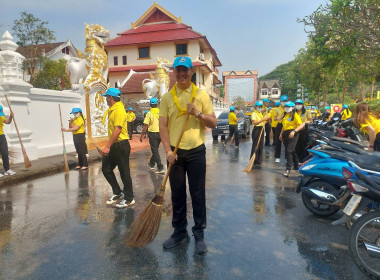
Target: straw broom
26	158
96	146
252	160
144	229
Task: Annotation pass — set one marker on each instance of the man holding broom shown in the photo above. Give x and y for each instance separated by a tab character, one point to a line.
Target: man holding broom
4	144
190	159
117	150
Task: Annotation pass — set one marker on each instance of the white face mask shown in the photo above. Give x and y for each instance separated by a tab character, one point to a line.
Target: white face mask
283	103
259	109
288	109
299	107
76	115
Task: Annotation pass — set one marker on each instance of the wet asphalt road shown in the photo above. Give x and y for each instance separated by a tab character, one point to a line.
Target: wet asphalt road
59	227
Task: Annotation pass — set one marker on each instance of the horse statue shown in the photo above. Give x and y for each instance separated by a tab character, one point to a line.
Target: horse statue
91	73
158	83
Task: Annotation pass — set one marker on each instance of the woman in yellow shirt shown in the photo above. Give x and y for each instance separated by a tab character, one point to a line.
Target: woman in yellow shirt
259	121
306	118
4	144
291	125
369	122
77	128
346	114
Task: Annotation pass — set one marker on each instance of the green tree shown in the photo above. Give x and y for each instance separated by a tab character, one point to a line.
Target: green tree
239	103
52	75
31	32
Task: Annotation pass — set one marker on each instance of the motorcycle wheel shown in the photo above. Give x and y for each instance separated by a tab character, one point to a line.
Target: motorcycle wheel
366	230
316	207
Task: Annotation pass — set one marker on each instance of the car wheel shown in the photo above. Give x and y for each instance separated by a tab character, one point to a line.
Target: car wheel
139	128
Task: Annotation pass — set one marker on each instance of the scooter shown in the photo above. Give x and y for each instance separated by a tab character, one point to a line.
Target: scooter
324	188
347	129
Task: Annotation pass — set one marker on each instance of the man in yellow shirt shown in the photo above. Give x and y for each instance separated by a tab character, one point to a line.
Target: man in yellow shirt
151	124
233	127
190	159
130	119
278	116
266	102
117	150
4	144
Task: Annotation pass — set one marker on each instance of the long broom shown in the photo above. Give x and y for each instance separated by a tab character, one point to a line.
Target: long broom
63	143
144	229
252	160
26	158
96	146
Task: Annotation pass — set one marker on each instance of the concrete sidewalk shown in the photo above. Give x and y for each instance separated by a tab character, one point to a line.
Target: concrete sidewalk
54	164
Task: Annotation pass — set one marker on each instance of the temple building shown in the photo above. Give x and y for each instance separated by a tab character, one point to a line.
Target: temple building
158	33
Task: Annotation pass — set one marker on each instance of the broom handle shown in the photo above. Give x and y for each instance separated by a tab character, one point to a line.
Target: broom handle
63	142
162	188
14	121
257	145
96	146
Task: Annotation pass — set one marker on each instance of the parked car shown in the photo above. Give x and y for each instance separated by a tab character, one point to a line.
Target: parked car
222	127
138	123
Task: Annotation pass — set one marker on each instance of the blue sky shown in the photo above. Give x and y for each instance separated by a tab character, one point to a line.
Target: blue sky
246	34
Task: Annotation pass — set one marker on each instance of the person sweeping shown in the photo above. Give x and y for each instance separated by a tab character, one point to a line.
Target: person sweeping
190	159
77	127
259	121
4	144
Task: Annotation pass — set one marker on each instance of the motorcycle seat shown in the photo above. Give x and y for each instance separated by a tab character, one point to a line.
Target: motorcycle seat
369	161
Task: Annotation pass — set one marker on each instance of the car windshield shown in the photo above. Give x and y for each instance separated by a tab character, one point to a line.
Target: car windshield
224	115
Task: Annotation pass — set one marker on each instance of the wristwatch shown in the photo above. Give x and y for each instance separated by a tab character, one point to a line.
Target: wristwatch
199	115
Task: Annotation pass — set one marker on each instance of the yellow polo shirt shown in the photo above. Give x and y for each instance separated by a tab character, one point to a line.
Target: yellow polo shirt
2	119
346	115
130	116
289	124
232	119
256	116
79	121
278	113
271	114
305	116
375	123
194	135
152	121
117	117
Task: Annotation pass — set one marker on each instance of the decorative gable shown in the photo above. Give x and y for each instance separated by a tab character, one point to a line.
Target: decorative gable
264	86
156	14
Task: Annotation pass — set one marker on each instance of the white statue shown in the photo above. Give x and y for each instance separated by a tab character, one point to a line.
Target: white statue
158	83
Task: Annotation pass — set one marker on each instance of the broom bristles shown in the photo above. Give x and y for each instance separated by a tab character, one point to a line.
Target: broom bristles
144	229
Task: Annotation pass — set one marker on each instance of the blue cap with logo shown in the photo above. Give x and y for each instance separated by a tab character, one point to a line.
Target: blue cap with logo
258	103
1	111
115	92
232	108
345	106
153	100
76	110
289	104
183	61
278	103
266	100
284	98
300	101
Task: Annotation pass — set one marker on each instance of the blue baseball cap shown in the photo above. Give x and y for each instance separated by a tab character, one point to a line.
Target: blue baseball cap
76	110
153	100
289	104
1	111
266	100
345	106
115	92
146	111
300	101
258	103
278	103
183	61
327	108
232	108
130	108
284	98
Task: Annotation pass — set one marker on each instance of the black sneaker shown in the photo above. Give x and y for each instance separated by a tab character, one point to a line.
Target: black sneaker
113	199
200	246
171	242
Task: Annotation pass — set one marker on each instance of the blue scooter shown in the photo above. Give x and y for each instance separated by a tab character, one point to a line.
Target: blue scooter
324	188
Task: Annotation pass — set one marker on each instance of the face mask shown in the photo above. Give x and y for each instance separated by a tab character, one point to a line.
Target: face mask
288	109
283	103
76	115
298	107
259	109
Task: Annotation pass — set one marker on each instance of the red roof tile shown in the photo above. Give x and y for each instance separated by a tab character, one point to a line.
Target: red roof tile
143	68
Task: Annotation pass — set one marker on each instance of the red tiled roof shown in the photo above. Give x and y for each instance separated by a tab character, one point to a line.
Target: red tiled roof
143	68
134	84
27	50
154	33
